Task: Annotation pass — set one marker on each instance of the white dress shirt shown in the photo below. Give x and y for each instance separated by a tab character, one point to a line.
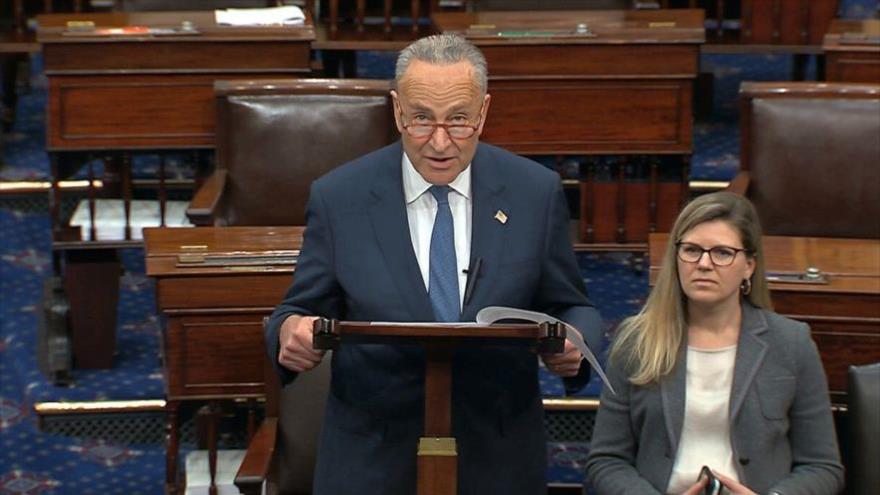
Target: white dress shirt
421	208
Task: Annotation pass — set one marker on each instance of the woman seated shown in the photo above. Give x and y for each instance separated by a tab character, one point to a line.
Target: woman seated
708	375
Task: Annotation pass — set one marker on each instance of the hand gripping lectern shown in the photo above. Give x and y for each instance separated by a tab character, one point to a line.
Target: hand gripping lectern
437	455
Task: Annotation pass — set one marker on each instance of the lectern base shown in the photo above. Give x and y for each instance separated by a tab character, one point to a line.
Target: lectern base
437	466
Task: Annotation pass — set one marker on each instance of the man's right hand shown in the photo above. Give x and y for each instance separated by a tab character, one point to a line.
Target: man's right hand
295	344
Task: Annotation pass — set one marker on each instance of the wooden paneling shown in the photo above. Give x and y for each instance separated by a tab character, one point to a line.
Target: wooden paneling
262	291
600	60
87	112
215	356
853	67
182	56
133	111
590	116
852	51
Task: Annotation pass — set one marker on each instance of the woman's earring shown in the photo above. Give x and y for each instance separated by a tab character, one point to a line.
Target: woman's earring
745	286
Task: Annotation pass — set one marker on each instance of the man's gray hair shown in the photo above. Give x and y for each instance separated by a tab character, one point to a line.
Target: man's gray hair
444	49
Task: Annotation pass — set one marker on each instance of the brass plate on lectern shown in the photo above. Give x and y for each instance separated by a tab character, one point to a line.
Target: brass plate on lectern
437	446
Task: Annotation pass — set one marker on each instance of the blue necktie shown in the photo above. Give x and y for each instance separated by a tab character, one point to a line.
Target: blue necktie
443	277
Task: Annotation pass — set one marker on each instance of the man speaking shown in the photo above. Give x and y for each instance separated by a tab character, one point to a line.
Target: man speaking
395	236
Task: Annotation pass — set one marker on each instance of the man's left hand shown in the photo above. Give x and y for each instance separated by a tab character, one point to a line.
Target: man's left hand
566	363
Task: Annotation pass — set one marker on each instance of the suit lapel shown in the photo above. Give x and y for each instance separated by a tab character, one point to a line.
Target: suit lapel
388	216
672	393
750	353
488	234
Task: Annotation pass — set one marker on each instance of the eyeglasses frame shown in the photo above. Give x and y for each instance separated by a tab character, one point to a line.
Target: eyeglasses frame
709	252
445	126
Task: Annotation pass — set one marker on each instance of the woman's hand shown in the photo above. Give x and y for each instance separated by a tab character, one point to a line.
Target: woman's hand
697	487
733	486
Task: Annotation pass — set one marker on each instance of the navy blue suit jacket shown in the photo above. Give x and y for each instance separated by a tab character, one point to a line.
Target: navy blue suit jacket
357	263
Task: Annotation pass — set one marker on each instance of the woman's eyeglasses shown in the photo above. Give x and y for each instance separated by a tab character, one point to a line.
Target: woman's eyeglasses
720	255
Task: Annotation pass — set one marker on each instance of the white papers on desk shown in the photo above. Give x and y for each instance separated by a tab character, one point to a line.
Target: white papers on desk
110	218
198	477
290	15
491	314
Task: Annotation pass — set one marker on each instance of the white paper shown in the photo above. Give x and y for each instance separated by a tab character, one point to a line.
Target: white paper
198	477
110	217
491	314
289	15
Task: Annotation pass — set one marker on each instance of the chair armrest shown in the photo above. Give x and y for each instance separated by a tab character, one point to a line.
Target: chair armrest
258	459
739	184
203	206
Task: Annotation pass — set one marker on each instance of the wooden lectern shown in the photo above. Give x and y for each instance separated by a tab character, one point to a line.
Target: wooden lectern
437	455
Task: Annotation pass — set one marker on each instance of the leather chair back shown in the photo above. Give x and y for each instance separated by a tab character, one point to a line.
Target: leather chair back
274	138
864	429
813	155
301	416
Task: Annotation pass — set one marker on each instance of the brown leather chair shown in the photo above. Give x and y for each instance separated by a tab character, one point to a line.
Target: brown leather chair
810	158
863	420
275	137
282	452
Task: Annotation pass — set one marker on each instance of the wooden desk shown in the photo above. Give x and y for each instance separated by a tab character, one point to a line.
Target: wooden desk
136	92
213	340
624	88
852	51
844	314
112	94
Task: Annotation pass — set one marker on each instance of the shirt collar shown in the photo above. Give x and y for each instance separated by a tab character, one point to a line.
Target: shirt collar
414	185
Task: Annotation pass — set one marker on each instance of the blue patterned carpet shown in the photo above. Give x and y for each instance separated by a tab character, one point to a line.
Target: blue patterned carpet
33	462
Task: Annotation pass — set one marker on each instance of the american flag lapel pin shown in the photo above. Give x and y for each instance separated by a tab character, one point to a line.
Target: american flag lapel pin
501	216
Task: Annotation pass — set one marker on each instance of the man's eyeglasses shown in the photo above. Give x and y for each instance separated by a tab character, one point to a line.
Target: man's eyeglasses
420	127
720	255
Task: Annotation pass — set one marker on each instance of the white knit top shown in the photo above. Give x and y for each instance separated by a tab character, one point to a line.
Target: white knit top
705	435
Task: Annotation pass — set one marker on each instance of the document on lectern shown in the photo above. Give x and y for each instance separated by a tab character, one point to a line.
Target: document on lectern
491	314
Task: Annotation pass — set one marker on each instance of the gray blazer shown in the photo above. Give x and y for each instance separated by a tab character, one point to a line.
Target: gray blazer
782	432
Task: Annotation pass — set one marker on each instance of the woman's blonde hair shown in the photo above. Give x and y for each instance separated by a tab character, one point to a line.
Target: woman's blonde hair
648	342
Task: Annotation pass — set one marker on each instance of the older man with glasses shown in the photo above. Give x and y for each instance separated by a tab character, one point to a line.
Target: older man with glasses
398	235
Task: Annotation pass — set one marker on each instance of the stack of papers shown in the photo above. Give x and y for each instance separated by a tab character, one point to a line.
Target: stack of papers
198	477
287	16
110	218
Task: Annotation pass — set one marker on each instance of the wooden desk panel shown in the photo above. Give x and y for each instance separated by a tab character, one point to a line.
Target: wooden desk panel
603	61
844	314
852	51
88	112
262	290
590	117
180	56
215	356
